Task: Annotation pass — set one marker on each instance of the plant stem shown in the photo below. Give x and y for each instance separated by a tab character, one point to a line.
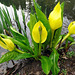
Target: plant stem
63	40
51	38
40	32
40	48
19	51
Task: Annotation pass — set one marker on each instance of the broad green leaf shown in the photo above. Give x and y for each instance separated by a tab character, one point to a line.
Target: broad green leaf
41	16
54	57
38	6
36	48
58	31
18	36
9	56
62	10
32	10
46	63
23	56
32	22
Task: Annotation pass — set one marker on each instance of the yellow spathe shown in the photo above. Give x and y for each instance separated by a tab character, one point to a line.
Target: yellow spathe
55	20
7	44
71	28
36	32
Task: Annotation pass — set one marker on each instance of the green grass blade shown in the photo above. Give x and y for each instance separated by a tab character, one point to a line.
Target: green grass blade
2	18
23	16
17	19
6	18
1	27
8	14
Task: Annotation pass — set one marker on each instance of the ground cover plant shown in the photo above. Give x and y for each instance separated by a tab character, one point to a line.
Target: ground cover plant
45	34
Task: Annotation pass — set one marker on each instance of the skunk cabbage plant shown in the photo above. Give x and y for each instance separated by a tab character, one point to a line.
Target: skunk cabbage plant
45	35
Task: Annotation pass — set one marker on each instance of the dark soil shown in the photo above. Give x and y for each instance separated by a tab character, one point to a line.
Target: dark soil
68	65
26	67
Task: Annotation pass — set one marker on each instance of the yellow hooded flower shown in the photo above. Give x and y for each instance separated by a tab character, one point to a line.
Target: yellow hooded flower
71	28
55	20
7	44
39	32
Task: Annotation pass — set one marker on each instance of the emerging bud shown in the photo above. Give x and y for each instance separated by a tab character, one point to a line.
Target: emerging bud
39	31
71	28
55	20
7	44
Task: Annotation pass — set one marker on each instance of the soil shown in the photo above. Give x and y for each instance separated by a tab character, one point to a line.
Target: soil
68	65
26	67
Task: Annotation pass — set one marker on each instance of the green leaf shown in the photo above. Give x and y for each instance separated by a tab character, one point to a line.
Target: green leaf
54	57
38	6
60	48
8	14
23	56
56	41
32	10
66	43
46	64
72	43
23	15
41	16
70	39
58	31
18	36
59	39
24	22
62	10
36	48
1	27
2	18
17	19
32	22
6	17
9	56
